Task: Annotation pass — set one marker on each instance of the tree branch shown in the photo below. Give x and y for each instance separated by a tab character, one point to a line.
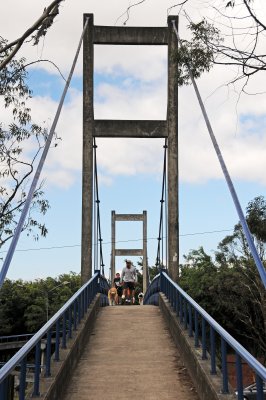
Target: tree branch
47	17
253	15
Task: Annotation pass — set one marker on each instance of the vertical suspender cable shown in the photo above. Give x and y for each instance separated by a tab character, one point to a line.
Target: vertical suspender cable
245	227
160	238
94	209
165	209
99	233
162	229
25	210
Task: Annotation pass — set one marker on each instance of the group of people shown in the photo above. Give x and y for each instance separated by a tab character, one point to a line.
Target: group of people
123	287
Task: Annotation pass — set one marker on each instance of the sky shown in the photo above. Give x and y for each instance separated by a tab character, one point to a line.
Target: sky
130	82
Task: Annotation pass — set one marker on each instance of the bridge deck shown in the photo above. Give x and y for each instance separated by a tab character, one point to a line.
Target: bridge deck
130	355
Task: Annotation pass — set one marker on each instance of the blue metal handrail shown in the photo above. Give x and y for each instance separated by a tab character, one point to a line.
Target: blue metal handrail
189	313
16	338
152	292
70	316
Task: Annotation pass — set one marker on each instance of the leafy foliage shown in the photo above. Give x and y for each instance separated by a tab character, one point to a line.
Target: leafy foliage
230	288
198	53
20	143
232	3
23	305
256	219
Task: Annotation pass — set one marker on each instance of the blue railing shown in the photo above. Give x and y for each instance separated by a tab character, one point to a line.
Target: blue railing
65	321
198	322
152	292
16	338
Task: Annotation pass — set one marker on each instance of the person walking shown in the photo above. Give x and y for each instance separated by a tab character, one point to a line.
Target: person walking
129	277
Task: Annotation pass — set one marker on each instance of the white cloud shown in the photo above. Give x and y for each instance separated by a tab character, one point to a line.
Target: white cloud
147	63
141	94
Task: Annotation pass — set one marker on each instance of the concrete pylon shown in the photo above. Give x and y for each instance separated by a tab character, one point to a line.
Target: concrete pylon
130	252
113	35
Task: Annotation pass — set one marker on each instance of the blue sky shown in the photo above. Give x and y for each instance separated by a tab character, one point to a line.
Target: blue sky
132	84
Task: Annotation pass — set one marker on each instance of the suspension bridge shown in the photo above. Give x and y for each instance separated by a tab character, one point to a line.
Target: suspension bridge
170	348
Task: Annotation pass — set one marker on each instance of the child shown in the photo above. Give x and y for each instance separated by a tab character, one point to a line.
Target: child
112	294
119	288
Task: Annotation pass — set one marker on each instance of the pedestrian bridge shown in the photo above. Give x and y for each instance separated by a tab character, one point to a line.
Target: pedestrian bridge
170	348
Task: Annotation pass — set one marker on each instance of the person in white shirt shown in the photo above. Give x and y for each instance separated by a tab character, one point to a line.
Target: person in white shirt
128	277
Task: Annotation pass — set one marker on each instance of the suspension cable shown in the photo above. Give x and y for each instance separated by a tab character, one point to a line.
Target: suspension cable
25	210
97	201
239	210
162	201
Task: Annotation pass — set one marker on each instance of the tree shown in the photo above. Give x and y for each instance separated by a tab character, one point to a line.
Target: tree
225	294
241	41
37	30
23	304
199	53
247	55
256	219
233	250
229	287
198	275
16	165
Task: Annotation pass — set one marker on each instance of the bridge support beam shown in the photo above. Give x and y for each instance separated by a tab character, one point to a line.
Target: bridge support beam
172	119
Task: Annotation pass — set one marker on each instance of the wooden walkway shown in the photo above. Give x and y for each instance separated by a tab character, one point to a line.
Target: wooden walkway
130	355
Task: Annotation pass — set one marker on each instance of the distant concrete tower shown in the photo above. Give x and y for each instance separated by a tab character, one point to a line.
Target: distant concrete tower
130	252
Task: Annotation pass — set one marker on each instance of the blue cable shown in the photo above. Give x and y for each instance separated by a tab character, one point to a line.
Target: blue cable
26	207
243	222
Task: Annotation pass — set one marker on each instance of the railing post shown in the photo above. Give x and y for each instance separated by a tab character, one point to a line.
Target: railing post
98	272
180	308
87	297
48	354
36	388
225	388
75	315
196	322
239	377
190	332
70	322
161	283
259	386
57	339
185	313
176	300
172	293
79	309
3	389
64	332
22	379
213	351
203	339
84	302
